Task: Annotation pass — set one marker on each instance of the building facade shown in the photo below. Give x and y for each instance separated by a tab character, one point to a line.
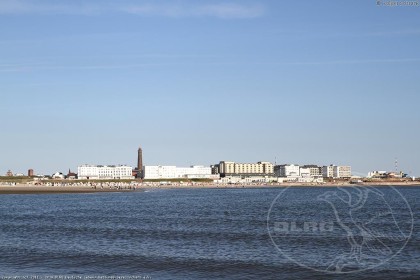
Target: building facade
328	171
334	171
305	172
194	172
215	169
230	168
159	172
98	172
173	172
377	174
287	170
342	172
314	170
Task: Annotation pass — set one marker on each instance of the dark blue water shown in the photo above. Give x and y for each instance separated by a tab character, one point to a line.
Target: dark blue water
167	234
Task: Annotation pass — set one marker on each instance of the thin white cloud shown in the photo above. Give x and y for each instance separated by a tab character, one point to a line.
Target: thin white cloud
395	33
223	10
362	61
19	7
31	67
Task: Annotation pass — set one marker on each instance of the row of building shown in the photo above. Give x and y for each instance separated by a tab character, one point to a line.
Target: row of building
92	172
224	169
266	171
386	175
227	168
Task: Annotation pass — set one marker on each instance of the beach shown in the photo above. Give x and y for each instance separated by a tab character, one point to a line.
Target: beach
79	188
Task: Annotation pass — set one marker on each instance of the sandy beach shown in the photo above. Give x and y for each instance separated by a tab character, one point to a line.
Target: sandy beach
31	189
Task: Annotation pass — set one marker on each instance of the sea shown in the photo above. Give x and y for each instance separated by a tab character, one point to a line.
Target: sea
220	233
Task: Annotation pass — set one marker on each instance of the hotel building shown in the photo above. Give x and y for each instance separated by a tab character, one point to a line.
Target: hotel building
97	172
342	172
314	170
230	168
328	171
173	172
334	171
287	170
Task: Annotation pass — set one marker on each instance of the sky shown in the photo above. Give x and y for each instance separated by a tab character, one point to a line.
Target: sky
197	82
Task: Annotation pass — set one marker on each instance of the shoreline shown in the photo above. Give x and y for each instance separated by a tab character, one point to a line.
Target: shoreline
31	189
292	185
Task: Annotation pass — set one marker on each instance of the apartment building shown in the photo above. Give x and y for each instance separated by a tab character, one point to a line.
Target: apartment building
230	168
97	172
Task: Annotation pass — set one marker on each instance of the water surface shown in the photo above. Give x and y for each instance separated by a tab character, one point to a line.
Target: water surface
165	234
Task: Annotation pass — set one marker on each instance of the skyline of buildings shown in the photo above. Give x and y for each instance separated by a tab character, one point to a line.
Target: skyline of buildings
224	171
251	168
221	170
290	171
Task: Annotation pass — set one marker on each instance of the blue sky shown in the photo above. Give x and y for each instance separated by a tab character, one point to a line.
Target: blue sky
196	82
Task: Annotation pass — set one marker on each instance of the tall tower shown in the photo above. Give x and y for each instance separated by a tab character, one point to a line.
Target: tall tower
396	165
140	163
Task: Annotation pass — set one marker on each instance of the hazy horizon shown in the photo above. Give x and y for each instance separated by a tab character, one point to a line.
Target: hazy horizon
197	82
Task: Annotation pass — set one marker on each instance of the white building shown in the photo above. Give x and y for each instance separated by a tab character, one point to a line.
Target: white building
98	172
57	175
334	171
377	174
194	172
287	170
342	172
328	171
159	172
305	172
315	170
173	172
